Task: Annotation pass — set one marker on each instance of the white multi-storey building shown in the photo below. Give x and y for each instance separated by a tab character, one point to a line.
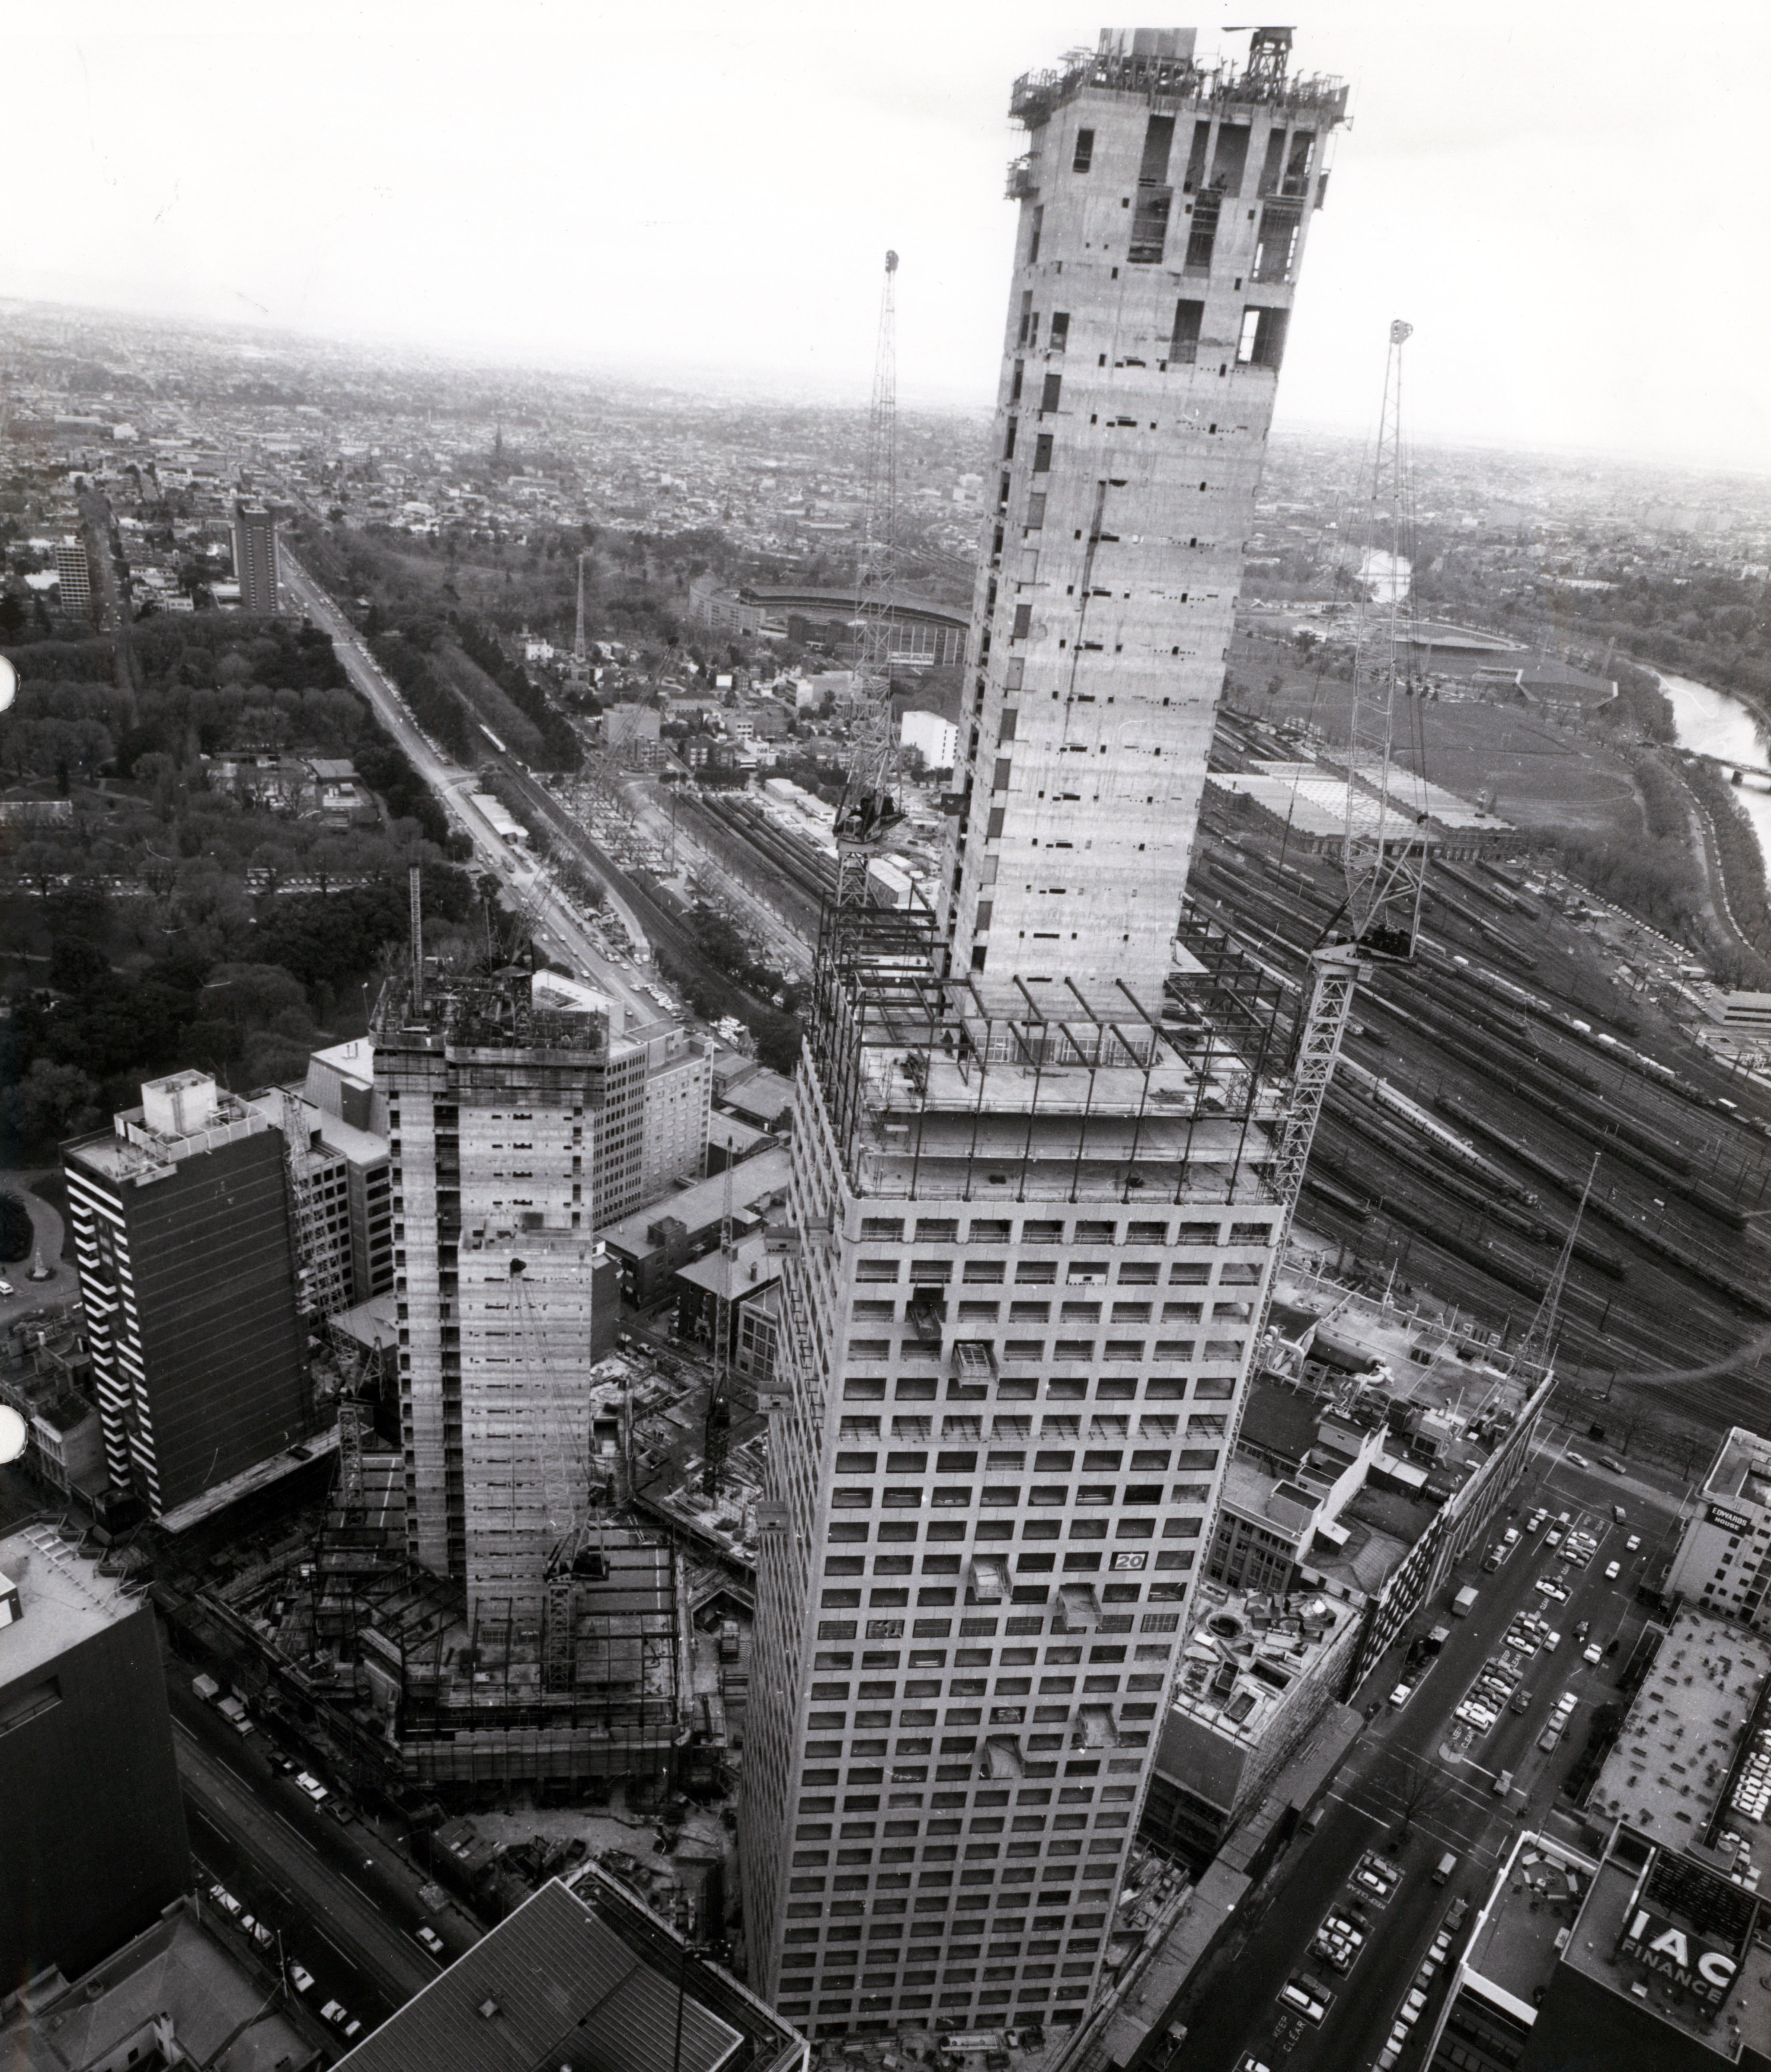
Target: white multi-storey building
1033	1212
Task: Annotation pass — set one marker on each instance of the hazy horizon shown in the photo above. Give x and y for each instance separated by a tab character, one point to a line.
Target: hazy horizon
1537	195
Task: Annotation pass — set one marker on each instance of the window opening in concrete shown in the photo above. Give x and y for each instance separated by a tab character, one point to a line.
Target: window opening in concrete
1196	155
1203	234
1059	335
1230	160
1261	342
1183	346
1084	151
1276	244
1051	391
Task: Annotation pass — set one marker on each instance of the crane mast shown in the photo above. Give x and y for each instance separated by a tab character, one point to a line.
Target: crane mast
868	808
1383	847
719	1426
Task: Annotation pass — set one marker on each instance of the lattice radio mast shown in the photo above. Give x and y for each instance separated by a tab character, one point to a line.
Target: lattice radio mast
868	808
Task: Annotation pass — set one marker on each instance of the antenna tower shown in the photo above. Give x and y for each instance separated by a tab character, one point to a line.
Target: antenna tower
868	809
580	668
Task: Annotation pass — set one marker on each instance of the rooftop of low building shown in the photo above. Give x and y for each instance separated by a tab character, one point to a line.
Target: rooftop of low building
63	1600
1671	1762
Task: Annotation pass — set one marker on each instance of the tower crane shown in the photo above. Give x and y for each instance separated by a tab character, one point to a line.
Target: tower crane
719	1426
868	809
1383	847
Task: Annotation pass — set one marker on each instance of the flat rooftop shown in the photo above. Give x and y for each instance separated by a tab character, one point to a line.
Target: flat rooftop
1742	1470
754	1181
63	1600
1245	1656
1671	1761
1514	1949
1743	2022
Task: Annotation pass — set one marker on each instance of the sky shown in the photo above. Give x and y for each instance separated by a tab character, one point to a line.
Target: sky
1566	198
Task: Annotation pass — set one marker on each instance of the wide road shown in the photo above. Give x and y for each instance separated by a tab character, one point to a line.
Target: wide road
560	929
1399	1775
329	1908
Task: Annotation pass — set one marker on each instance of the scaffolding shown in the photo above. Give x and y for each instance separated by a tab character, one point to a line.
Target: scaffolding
479	1704
996	1089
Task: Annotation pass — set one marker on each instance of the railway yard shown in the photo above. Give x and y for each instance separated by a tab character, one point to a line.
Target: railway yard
1516	1064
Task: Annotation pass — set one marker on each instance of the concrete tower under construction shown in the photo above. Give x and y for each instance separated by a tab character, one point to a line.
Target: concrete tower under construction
1034	1205
490	1106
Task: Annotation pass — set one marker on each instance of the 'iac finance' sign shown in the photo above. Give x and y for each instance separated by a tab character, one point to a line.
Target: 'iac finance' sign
1692	1965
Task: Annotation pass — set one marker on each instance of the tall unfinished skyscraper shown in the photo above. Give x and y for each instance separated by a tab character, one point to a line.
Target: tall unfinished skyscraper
490	1102
1034	1212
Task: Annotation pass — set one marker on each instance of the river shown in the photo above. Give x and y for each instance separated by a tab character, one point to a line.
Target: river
1716	723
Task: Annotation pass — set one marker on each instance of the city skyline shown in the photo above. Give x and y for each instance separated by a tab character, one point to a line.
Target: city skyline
553	241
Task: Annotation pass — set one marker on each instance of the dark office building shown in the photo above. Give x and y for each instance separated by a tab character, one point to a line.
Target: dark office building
255	557
93	1842
186	1257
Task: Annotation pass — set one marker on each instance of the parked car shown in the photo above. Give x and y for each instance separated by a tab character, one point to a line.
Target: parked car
1610	1461
430	1939
1401	1695
1592	1656
1551	1734
1613	1569
312	1786
226	1901
300	1978
1632	1543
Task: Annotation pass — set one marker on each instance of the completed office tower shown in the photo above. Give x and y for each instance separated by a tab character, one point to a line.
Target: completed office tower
1033	1187
255	557
188	1281
490	1105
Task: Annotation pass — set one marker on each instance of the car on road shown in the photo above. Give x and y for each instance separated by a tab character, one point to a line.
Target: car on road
1632	1543
1401	1695
7	1289
1551	1734
333	2011
312	1786
430	1939
283	1765
1592	1656
226	1901
1311	2000
300	1978
1613	1570
1249	2063
1551	1588
1536	1519
1610	1461
1576	1460
341	1810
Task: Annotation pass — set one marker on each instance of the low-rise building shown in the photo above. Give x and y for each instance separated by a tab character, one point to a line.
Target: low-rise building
186	1991
583	1975
1632	1955
649	1245
1723	1558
